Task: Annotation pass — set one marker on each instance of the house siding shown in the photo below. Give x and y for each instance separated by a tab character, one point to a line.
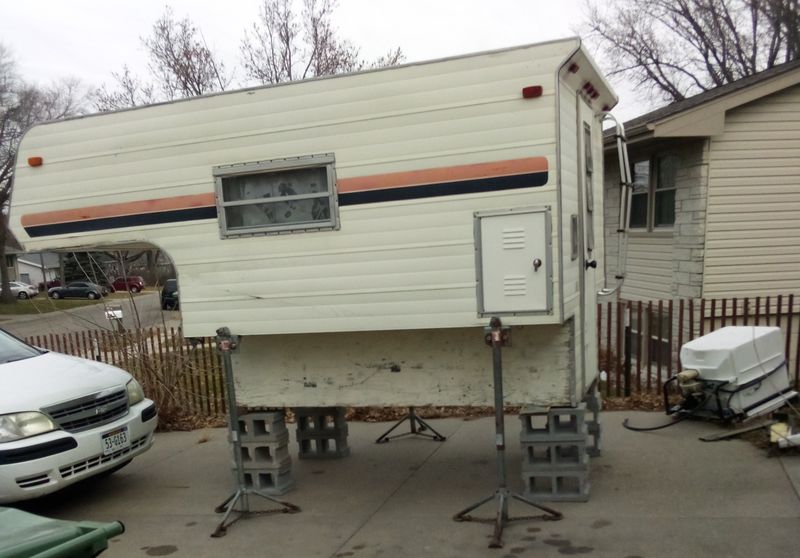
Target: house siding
754	198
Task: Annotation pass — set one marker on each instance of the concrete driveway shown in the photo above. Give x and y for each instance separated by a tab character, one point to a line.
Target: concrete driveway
659	494
148	306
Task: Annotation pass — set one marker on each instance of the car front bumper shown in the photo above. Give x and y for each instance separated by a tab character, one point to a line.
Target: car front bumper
43	464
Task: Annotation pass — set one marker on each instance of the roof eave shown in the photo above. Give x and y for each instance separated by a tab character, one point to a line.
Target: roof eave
708	119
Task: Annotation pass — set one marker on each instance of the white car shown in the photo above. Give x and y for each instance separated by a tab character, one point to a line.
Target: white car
22	290
63	419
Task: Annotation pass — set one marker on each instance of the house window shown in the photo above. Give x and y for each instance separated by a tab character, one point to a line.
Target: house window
653	196
25	278
664	200
640	194
277	196
10	261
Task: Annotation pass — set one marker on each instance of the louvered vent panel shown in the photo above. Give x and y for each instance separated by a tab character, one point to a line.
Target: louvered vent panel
514	239
515	285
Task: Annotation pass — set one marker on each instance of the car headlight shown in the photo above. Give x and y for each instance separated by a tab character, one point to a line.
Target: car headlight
135	392
23	425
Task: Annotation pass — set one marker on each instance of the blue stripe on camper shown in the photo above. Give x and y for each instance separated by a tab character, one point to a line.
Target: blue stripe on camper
493	184
529	180
157	218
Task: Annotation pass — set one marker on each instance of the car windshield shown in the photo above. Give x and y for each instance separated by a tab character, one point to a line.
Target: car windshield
12	349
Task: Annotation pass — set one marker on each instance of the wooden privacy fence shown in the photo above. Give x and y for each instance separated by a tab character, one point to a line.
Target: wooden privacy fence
183	376
657	329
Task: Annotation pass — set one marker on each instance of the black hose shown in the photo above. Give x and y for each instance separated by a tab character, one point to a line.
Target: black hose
651	428
667	425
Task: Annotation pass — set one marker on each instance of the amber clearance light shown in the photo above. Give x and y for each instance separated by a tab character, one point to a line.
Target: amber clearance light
35	161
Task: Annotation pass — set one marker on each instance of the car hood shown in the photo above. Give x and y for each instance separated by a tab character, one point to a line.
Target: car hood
52	378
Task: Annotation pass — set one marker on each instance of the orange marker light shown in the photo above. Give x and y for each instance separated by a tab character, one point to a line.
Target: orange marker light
35	161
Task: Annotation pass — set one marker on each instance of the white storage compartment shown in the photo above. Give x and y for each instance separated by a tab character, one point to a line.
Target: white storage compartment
748	361
514	261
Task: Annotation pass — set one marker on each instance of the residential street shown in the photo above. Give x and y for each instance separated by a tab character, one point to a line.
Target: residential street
92	317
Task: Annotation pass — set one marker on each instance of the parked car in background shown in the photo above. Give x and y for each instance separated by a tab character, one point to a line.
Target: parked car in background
106	288
63	419
169	295
22	290
132	283
77	289
49	285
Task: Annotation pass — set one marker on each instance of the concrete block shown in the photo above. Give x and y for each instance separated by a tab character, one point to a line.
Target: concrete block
266	455
553	424
268	426
273	482
320	419
595	445
323	448
322	432
555	456
556	486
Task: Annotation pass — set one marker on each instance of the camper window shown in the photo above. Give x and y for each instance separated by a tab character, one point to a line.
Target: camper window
276	196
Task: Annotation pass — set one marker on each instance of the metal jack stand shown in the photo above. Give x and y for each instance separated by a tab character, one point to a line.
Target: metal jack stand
226	344
497	336
417	427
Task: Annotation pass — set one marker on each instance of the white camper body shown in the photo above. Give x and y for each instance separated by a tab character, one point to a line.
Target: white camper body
358	231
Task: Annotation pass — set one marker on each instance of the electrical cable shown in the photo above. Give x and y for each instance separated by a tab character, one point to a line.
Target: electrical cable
666	425
652	428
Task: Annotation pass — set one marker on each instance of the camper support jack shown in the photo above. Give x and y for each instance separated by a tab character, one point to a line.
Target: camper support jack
417	427
497	336
226	344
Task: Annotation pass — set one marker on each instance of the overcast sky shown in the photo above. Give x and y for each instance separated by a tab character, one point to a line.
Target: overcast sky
89	39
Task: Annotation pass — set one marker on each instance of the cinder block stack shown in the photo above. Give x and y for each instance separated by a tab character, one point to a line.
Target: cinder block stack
555	460
265	452
594	404
321	432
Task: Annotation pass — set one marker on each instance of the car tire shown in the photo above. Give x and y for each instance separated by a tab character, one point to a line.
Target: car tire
92	296
22	295
55	295
134	290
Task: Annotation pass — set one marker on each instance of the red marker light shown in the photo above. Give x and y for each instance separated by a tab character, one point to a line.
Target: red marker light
532	91
35	161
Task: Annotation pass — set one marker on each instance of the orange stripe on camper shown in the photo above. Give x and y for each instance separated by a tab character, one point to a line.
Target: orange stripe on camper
118	210
442	175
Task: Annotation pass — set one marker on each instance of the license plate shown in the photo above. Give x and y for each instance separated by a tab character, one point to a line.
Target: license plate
115	440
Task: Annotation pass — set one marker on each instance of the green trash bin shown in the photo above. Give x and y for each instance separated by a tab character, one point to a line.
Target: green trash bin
25	535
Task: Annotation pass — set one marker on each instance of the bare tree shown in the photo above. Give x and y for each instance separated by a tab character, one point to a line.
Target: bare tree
676	48
131	91
285	46
181	65
21	106
180	60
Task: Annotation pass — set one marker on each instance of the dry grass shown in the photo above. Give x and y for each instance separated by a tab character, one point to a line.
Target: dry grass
636	402
170	379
